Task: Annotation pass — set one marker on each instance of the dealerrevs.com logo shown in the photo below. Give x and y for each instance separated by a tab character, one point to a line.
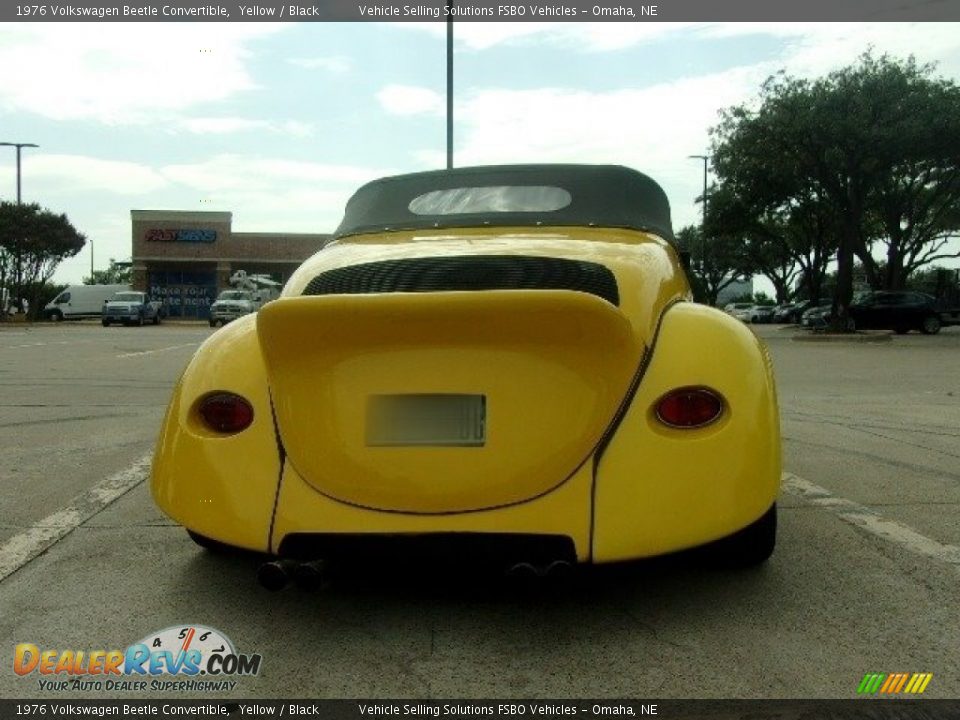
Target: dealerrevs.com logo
188	658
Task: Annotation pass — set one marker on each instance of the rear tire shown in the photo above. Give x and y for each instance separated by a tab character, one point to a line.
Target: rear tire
156	319
105	322
930	326
748	547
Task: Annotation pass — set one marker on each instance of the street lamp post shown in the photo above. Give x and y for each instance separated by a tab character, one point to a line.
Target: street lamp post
449	7
703	224
18	146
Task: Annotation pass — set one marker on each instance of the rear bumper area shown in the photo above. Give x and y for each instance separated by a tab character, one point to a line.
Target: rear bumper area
477	550
306	519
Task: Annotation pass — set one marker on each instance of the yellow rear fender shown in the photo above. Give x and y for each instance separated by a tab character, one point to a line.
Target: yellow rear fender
221	486
659	489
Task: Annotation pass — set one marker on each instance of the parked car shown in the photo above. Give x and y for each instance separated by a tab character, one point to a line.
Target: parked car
897	311
132	307
741	311
783	313
761	314
792	312
504	360
81	301
816	315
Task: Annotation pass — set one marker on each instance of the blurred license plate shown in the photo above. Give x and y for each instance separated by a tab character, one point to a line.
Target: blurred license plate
452	420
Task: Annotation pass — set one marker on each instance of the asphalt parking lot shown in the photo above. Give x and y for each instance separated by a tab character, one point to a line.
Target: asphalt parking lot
866	576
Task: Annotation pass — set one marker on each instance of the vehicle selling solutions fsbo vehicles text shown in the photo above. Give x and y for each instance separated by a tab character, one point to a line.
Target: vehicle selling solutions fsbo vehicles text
505	11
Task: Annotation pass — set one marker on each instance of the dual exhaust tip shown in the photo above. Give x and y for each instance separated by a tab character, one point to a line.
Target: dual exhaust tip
312	575
277	574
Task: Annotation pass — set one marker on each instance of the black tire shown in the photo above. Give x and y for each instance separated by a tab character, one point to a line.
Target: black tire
851	324
214	546
901	330
140	320
156	319
930	325
105	322
213	323
56	316
748	547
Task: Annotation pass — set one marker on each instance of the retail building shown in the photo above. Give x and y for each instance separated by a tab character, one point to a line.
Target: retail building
185	258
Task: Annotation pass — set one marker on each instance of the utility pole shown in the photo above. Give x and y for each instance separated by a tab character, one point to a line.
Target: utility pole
449	84
18	146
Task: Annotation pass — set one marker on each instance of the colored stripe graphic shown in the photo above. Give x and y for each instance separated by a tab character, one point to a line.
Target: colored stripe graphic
894	683
891	680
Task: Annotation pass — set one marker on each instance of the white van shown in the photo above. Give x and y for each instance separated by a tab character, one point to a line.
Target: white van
81	301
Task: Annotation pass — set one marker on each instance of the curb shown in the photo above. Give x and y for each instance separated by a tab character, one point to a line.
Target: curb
856	337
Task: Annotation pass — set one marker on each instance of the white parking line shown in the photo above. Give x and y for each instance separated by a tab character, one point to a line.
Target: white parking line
44	344
21	549
158	350
869	520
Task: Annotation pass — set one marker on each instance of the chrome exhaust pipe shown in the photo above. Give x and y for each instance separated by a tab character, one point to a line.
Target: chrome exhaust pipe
523	571
557	570
310	575
275	575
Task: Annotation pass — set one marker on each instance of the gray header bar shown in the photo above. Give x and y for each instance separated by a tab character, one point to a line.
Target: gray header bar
484	11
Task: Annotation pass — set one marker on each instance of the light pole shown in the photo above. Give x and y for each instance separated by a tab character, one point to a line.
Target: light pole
703	224
449	6
18	146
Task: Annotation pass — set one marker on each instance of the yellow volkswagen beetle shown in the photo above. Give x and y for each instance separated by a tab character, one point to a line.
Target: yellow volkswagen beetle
503	359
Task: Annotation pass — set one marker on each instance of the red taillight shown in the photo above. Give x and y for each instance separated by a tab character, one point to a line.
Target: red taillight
689	407
226	413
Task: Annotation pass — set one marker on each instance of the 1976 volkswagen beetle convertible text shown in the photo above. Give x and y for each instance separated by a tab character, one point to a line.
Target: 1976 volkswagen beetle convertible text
503	358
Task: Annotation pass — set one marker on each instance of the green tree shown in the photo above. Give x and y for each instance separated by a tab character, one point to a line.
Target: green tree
875	146
33	241
115	274
764	243
714	264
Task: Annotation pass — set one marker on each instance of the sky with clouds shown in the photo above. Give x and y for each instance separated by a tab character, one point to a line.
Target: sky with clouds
279	123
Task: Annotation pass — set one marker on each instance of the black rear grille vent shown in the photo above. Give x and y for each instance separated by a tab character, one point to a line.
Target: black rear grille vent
468	272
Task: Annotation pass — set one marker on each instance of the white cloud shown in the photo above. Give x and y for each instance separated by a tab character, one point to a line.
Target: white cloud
220	125
827	39
267	194
123	72
337	64
238	172
78	173
226	125
588	37
411	100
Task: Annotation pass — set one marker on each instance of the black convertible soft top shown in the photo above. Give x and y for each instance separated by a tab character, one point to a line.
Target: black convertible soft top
510	195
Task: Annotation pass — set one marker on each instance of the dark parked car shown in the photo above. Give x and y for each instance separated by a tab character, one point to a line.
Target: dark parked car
898	311
791	312
761	314
816	315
